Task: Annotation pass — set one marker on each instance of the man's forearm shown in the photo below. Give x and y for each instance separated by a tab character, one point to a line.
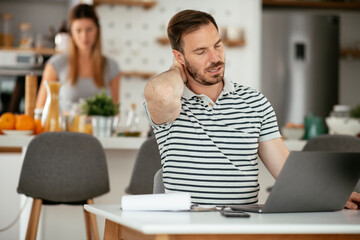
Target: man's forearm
163	95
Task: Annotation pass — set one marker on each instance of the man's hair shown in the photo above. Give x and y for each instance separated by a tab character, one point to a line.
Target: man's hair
185	22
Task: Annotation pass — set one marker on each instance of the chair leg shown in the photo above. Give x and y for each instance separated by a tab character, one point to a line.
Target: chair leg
91	224
87	224
34	219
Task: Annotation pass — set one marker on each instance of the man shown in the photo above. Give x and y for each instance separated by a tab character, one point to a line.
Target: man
210	130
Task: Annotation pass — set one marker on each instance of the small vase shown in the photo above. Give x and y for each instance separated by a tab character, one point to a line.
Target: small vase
102	126
51	118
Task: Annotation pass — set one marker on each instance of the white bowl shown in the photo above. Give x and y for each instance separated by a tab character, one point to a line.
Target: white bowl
347	126
293	133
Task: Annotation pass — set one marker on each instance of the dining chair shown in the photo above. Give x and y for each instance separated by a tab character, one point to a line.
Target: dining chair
158	182
335	143
147	162
63	168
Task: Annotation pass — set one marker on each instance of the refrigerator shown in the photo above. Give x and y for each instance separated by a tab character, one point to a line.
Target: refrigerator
299	64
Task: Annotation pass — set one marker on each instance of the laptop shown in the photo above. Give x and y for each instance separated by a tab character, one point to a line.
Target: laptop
311	182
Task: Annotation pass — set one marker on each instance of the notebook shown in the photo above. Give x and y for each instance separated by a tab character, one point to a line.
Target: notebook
311	182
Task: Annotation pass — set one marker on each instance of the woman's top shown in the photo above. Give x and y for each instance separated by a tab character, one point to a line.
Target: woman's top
85	87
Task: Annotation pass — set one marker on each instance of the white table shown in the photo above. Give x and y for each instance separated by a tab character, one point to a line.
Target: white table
120	224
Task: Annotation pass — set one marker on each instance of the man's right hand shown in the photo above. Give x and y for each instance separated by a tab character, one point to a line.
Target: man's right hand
177	66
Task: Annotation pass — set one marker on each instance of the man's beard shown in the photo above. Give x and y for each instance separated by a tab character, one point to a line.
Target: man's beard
200	78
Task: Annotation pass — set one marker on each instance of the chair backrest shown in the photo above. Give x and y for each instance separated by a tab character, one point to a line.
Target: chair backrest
64	167
158	182
147	162
335	143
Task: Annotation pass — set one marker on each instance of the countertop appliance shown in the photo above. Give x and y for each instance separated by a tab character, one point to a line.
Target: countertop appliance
15	64
299	63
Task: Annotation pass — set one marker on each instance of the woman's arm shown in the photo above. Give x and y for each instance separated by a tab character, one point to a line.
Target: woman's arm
114	85
49	75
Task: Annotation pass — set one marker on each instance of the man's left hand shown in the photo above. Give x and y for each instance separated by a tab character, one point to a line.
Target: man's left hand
354	201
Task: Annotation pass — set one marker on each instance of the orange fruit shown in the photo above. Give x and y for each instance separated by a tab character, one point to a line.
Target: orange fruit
38	127
24	122
7	121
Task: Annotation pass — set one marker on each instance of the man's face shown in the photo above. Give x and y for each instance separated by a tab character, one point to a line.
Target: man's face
204	55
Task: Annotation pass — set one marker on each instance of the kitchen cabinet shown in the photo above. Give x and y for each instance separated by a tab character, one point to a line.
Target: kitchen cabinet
352	6
147	4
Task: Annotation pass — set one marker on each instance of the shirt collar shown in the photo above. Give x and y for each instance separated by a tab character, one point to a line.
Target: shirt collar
228	87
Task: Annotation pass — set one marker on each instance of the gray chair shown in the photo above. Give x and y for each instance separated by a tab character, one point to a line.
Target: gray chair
158	182
335	143
147	162
63	168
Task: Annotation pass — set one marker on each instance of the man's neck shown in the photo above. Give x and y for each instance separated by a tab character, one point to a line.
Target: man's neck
212	91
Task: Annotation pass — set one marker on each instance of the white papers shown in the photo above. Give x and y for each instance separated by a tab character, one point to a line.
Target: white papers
157	202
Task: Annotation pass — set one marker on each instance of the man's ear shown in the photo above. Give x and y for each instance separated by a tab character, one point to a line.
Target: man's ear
179	56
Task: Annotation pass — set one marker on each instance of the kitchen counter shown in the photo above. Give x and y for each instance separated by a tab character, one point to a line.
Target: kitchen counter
115	143
118	143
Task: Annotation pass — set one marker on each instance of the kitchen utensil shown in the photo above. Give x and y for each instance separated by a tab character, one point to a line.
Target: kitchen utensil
30	94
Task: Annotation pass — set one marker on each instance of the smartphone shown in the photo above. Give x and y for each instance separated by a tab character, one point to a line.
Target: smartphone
234	214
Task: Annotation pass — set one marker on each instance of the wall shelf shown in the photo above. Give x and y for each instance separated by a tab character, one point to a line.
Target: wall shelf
147	4
354	6
144	75
163	40
234	43
44	51
350	53
230	43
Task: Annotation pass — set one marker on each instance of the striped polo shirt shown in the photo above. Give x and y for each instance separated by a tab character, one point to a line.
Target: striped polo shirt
211	149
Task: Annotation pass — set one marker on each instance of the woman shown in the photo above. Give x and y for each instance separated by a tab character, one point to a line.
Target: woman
82	72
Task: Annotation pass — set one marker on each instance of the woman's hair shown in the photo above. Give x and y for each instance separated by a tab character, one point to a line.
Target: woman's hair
185	22
98	61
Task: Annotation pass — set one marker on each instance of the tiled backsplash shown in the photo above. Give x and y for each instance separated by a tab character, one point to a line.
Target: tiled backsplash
129	36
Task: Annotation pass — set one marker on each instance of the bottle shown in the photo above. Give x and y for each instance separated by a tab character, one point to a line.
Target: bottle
6	36
132	123
51	119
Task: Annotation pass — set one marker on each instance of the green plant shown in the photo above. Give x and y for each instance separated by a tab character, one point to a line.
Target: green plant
100	105
355	112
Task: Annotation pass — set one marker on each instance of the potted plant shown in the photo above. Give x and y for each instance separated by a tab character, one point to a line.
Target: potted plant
102	110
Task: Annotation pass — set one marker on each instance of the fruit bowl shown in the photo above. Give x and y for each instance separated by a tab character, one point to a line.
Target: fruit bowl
345	125
18	132
293	133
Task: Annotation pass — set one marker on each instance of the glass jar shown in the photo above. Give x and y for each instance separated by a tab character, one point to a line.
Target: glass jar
26	35
132	123
6	36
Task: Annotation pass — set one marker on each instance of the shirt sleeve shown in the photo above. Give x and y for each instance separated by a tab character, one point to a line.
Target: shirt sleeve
154	125
269	127
58	61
